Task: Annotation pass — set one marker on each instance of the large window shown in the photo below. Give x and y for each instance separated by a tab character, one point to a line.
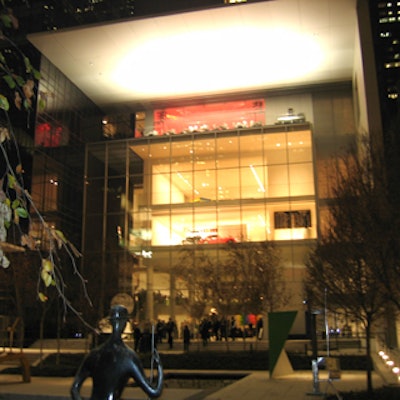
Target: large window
242	186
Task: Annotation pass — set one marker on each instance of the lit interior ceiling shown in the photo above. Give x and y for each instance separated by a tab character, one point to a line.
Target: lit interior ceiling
185	159
224	50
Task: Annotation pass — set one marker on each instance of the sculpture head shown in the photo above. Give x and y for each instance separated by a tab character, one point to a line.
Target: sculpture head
118	318
118	312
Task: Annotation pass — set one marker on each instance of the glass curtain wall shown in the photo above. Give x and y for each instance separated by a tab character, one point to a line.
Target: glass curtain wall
148	198
218	187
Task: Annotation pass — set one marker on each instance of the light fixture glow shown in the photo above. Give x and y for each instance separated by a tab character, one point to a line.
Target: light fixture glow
257	178
160	66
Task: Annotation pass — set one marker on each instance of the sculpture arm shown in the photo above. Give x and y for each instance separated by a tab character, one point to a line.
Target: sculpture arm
140	378
80	377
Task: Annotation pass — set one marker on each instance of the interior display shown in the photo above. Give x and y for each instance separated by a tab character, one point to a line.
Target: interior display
208	117
216	239
291	118
194	236
234	187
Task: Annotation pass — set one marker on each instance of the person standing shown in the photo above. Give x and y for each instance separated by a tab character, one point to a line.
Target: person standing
233	328
160	331
224	328
186	338
260	328
136	336
205	331
170	332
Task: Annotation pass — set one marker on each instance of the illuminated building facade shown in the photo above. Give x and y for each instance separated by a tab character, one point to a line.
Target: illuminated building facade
251	179
232	142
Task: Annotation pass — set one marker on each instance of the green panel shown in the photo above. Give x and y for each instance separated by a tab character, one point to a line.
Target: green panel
279	324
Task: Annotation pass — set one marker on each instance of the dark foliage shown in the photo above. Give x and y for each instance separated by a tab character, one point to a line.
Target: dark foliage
66	364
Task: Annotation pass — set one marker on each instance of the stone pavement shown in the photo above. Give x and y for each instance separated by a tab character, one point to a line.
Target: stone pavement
297	385
255	386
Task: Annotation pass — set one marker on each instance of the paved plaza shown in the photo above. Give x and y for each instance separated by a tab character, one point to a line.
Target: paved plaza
297	385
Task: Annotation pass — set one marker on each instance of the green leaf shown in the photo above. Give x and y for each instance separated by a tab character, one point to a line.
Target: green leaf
27	104
6	20
7	224
4	103
36	74
47	265
20	81
42	104
2	59
46	278
22	212
43	298
10	81
61	236
11	181
15	204
28	65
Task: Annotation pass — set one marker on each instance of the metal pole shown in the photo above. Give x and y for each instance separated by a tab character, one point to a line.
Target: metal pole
152	354
326	324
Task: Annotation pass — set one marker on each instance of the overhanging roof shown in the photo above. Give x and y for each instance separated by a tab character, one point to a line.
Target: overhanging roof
224	50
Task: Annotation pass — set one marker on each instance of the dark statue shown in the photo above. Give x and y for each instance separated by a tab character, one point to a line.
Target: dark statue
113	363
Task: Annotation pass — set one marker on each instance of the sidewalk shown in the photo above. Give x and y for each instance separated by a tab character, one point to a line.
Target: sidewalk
298	385
256	386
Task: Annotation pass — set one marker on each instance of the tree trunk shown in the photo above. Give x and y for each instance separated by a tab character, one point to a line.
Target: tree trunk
41	332
59	323
391	331
369	359
18	302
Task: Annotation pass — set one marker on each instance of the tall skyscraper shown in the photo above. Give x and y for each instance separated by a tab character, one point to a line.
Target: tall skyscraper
385	23
384	20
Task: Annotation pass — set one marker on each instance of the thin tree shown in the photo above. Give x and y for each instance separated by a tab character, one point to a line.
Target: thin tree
246	278
259	276
193	271
352	248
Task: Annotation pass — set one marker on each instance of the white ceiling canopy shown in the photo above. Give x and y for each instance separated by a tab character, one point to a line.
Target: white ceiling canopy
224	50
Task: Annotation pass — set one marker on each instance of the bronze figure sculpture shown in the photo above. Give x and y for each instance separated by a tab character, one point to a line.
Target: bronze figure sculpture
113	363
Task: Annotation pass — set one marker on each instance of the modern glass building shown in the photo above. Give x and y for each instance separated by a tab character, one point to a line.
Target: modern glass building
255	171
198	146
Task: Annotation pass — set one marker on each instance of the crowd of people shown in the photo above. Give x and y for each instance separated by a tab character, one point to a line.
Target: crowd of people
152	335
217	328
211	328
